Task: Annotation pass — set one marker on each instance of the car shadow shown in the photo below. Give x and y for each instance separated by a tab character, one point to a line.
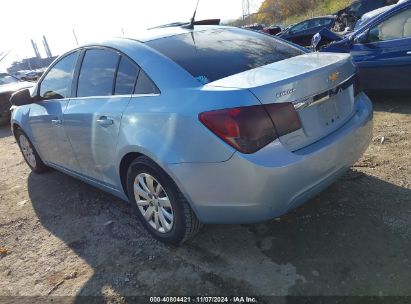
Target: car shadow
354	238
5	131
390	103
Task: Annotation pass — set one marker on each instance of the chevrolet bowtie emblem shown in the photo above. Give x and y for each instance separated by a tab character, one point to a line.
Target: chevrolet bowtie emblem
334	77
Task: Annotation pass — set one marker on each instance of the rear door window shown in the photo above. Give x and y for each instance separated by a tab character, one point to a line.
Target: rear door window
214	54
97	73
126	77
145	85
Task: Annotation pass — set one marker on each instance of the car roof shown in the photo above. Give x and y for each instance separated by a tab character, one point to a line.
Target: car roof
396	7
383	9
323	17
393	8
315	18
378	11
159	33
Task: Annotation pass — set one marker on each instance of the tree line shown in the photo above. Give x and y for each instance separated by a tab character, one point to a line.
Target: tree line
289	11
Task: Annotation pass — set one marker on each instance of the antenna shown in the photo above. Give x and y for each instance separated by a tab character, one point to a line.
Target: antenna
75	36
4	55
191	25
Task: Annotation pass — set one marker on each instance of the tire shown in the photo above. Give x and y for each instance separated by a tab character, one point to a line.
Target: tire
26	147
170	218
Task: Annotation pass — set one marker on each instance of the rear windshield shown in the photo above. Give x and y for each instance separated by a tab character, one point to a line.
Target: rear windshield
210	55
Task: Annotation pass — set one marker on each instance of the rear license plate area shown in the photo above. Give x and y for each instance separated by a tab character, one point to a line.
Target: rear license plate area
329	111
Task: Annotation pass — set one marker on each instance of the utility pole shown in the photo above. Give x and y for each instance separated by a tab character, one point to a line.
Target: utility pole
246	9
75	37
4	55
28	64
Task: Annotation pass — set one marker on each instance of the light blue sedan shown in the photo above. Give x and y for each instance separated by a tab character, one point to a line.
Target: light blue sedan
206	125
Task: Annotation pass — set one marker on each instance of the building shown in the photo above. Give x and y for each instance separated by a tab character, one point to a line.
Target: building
33	63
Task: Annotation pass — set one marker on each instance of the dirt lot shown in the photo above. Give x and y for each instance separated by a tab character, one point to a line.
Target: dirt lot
353	239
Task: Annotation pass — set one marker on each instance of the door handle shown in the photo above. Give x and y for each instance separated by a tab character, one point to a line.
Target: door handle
105	121
409	53
56	122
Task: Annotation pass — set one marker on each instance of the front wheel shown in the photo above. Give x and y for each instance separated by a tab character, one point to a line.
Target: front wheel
30	154
159	204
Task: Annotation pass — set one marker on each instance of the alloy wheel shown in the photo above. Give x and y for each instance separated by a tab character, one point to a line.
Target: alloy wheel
27	150
153	203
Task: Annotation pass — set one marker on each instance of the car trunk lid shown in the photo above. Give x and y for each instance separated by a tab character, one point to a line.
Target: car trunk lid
320	85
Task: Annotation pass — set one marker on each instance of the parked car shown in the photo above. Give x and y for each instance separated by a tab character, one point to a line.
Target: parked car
273	29
382	50
347	17
254	27
21	75
368	16
8	85
206	125
33	76
28	75
303	32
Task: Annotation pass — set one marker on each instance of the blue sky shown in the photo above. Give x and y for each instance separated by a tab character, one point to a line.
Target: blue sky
24	20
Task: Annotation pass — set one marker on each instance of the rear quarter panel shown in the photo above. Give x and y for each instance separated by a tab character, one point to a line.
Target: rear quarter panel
167	129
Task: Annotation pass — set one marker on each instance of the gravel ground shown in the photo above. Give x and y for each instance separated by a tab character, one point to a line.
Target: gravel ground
353	239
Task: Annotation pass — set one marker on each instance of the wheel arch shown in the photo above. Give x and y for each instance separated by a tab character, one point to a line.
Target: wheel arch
130	156
125	162
14	127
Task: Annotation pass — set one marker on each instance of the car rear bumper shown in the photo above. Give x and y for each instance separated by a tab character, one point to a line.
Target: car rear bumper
273	181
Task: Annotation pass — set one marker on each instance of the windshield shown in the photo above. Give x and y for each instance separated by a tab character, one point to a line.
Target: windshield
210	55
6	79
355	7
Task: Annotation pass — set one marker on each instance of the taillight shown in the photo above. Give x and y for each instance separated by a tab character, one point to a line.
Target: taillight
284	117
357	84
248	129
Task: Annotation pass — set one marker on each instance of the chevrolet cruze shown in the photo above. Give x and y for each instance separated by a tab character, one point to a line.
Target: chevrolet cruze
206	125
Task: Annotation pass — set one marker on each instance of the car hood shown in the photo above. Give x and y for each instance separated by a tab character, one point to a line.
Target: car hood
12	87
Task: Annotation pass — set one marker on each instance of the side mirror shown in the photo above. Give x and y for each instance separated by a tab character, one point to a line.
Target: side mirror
362	38
21	98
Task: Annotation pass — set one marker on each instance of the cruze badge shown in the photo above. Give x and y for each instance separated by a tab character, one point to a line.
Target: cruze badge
334	77
285	93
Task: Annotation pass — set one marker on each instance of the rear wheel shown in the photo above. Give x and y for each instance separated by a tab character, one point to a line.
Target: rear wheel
159	204
30	154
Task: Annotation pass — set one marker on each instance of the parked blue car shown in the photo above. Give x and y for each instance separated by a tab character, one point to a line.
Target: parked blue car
205	125
381	48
